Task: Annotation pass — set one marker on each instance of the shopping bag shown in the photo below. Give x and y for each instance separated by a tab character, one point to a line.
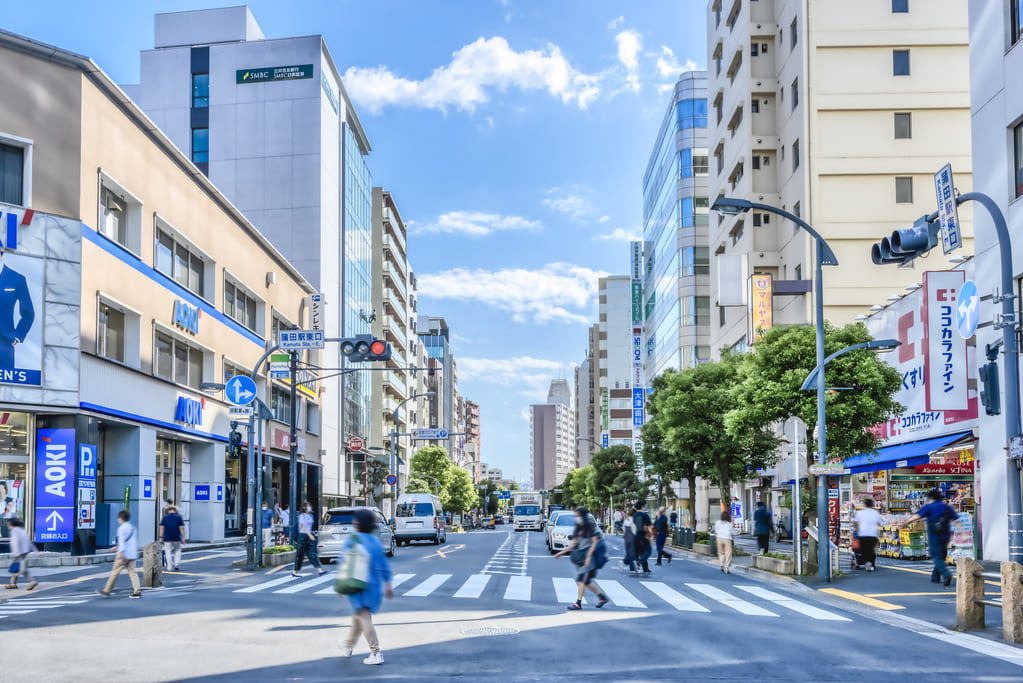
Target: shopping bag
353	572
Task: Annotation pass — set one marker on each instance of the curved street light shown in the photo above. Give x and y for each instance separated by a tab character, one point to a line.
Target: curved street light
877	345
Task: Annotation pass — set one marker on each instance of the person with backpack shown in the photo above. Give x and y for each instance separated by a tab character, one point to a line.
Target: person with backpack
644	531
661	527
588	554
939	516
21	546
127	552
866	523
172	528
365	577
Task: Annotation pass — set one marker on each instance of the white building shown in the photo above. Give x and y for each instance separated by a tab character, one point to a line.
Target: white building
614	359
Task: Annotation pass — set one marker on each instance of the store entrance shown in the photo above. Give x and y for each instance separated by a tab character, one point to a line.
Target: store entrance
169	458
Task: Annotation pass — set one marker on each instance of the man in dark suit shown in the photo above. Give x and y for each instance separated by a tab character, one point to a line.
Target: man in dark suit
13	290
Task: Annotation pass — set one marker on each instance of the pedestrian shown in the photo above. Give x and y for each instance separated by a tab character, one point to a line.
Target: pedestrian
674	519
762	522
865	523
584	547
939	516
366	603
127	552
306	541
619	516
661	528
286	521
644	532
172	528
629	531
268	525
723	533
21	546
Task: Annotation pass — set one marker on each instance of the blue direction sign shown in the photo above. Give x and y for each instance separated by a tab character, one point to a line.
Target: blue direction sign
968	309
55	485
241	390
429	434
505	495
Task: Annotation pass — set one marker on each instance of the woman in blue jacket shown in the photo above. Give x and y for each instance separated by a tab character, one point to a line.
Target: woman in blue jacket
367	602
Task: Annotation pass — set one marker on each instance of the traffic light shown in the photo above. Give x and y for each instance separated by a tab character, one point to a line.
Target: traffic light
990	394
234	448
365	348
905	245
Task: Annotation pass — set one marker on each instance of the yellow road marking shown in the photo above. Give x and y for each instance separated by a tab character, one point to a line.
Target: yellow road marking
189	574
444	550
197	559
277	568
879	604
898	595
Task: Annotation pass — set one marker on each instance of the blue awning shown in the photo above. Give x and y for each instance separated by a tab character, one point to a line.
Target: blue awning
901	455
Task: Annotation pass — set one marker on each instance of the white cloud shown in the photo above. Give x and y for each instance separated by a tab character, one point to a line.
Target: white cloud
630	43
668	66
615	23
474	224
558	292
532	376
473	72
569	201
626	235
489	120
604	219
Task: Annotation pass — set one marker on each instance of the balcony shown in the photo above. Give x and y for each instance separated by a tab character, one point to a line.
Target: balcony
394	247
394	228
395	384
392	328
397	359
389	405
396	303
397	279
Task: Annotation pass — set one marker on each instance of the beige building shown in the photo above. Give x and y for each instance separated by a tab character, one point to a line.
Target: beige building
142	285
840	113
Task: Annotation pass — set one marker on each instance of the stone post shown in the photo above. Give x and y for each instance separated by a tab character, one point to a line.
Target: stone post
152	565
1012	602
969	588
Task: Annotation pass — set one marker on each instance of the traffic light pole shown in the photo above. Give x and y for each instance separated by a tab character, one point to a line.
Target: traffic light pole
293	447
250	517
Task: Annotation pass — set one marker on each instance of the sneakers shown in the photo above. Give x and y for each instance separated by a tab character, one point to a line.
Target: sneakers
374	658
870	567
102	594
321	573
948	581
603	601
346	651
135	596
574	606
32	585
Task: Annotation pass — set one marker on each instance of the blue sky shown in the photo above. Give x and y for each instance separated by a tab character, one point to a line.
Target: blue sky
513	134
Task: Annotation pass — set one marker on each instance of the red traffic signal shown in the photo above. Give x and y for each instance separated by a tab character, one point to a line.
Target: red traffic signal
365	348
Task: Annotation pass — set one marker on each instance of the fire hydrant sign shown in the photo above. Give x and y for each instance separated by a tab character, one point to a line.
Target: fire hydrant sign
55	486
945	360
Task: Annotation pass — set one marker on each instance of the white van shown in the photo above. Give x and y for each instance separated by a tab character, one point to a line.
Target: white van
419	517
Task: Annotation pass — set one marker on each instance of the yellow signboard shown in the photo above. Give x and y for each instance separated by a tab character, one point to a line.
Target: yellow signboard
760	305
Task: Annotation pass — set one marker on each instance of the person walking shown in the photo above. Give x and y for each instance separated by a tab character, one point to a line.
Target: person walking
366	603
865	523
674	519
762	522
583	547
286	523
723	533
127	552
307	541
21	546
172	528
619	517
629	534
268	525
661	526
939	516
644	531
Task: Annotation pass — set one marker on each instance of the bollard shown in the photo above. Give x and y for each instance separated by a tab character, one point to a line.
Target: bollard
969	589
152	566
1012	602
713	545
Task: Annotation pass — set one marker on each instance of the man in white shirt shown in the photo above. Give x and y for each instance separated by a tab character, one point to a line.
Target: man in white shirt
127	552
866	522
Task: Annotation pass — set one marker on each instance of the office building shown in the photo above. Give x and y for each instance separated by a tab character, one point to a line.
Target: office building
473	438
614	360
552	437
441	378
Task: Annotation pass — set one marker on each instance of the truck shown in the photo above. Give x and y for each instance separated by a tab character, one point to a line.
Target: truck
527	508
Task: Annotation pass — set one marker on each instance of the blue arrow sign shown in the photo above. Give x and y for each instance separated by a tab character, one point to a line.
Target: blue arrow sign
241	390
968	309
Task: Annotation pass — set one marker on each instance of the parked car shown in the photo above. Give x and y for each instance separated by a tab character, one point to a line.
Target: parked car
487	523
338	523
420	517
553	522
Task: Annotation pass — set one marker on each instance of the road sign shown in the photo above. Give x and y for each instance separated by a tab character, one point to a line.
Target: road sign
429	434
391	480
280	366
355	444
241	390
315	304
241	411
968	309
504	495
948	212
295	340
827	470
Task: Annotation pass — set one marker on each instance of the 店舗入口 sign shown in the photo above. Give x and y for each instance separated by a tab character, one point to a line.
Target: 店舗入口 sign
760	303
274	73
945	362
55	481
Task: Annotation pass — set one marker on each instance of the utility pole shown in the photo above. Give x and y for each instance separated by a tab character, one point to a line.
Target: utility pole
250	496
293	446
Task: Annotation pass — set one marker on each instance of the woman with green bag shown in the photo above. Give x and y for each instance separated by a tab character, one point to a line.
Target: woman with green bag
366	602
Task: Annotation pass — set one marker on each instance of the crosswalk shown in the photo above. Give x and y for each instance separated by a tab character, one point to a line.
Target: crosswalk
20	606
745	599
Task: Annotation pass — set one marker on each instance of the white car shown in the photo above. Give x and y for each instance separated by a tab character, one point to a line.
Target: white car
339	523
419	517
559	530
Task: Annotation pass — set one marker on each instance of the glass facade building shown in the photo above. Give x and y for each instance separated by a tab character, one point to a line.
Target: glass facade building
675	215
358	273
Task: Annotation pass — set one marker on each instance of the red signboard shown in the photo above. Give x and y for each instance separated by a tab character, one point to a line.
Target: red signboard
957	468
355	444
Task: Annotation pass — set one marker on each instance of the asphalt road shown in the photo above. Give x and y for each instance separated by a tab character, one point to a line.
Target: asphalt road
688	621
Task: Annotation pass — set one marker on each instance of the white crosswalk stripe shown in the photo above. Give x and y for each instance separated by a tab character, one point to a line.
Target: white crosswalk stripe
473	586
729	600
266	584
428	586
565	589
619	595
794	605
673	597
307	584
19	606
519	588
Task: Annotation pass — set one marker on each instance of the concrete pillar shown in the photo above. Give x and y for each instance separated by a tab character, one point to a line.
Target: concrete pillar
969	588
1012	602
152	567
702	510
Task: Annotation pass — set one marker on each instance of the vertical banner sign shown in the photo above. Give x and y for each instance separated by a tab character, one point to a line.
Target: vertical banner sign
605	418
945	361
948	211
760	304
55	481
86	486
638	381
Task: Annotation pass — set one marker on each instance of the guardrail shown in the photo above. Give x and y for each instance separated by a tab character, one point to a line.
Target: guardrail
971	599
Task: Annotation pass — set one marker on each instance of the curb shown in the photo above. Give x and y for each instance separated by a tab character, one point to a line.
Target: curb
749	571
51	560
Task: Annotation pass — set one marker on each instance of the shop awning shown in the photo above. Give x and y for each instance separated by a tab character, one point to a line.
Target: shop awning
901	455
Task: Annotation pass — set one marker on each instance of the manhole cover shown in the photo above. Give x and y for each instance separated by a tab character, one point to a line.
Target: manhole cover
490	631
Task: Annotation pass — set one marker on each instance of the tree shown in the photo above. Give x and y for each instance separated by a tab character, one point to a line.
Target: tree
417	485
377	476
580	479
565	497
608	464
780	361
432	461
461	495
670	464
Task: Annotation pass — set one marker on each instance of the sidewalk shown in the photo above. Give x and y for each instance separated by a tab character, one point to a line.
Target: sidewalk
106	555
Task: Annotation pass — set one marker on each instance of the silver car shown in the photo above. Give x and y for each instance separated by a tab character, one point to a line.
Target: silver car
559	531
340	522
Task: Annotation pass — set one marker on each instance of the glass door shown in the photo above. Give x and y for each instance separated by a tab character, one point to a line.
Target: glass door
168	476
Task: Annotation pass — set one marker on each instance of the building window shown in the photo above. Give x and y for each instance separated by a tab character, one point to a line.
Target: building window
799	271
240	305
903	125
280	403
12	174
233	370
200	145
795	35
795	94
1017	20
796	210
113	216
754	49
900	6
1017	140
177	361
178	261
795	155
312	418
200	91
111	333
900	62
904	190
756	219
754	106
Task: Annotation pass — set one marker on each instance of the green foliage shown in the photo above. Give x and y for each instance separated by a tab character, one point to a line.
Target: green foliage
276	549
461	494
563	498
377	475
434	462
417	485
582	486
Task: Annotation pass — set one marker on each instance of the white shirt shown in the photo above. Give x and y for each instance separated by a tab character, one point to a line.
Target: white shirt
127	542
723	529
20	545
285	519
867	521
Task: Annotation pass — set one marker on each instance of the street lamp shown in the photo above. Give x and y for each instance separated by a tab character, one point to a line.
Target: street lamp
824	257
877	345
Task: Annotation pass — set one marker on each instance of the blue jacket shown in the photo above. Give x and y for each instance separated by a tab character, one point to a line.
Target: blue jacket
379	574
763	519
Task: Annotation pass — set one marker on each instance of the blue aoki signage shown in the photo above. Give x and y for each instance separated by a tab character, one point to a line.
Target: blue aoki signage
186	317
202	492
189	411
55	485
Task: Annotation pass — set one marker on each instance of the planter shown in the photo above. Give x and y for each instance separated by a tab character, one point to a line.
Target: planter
772	564
277	559
701	548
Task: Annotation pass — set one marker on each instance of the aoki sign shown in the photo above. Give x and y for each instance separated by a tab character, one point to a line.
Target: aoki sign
186	317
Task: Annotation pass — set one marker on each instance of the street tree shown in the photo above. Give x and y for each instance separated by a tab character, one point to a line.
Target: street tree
608	464
417	485
376	475
432	461
461	494
773	372
581	483
670	464
565	497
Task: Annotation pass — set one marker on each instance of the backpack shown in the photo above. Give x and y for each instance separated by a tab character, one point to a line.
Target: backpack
353	572
941	527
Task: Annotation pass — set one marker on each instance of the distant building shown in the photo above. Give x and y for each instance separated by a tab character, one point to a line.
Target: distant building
615	369
552	437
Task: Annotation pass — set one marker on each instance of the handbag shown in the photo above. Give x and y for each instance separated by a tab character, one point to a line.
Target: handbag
353	574
15	567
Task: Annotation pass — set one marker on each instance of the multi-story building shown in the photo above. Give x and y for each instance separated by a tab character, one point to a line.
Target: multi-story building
996	60
441	377
677	268
839	113
488	473
268	120
140	288
473	438
614	360
552	437
588	396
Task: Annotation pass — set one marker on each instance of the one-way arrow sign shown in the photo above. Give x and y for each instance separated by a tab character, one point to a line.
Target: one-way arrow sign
241	390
